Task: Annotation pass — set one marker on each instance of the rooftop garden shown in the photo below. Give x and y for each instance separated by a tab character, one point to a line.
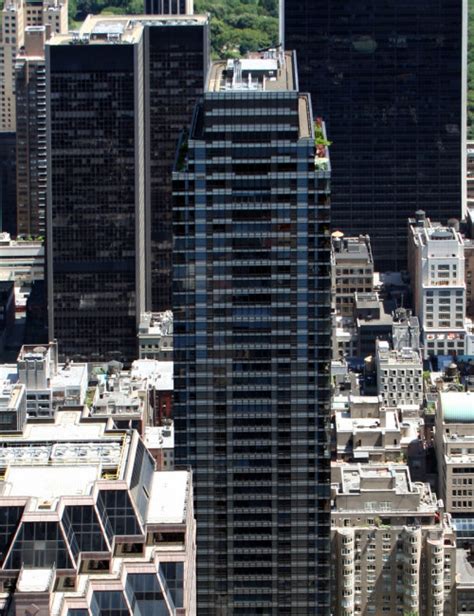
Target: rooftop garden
321	159
182	154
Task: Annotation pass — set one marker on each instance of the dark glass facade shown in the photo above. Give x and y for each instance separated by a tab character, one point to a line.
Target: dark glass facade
116	113
178	63
96	200
145	595
9	520
387	78
43	544
168	7
39	544
173	573
8	182
83	529
117	514
31	145
109	603
252	350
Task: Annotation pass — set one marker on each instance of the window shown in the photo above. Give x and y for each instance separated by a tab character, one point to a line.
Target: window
173	573
83	529
117	514
109	603
39	545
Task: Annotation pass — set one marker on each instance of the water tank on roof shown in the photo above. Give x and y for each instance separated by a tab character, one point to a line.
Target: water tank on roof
451	370
420	217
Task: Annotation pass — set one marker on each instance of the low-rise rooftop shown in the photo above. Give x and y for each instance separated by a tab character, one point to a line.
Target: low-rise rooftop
384	489
391	357
441	238
156	323
172	489
159	374
159	437
367	300
346	423
117	403
69	375
345	249
113	30
394	478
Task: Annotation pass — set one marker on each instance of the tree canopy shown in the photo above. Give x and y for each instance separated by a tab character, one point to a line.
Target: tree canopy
237	26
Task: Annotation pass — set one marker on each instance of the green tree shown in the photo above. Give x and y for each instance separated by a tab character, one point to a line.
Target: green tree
240	26
270	7
237	26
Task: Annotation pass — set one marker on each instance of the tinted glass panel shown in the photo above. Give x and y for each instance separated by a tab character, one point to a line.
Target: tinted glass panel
9	520
39	545
85	528
109	604
142	474
118	510
173	574
145	595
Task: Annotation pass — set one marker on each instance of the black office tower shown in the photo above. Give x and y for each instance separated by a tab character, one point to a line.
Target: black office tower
96	263
119	93
178	64
252	340
387	76
8	182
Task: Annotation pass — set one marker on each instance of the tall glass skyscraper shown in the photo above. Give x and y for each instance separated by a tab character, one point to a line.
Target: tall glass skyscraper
387	76
252	339
96	209
176	73
119	92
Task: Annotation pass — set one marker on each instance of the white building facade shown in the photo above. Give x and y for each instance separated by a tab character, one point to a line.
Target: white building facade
436	262
399	375
393	549
155	335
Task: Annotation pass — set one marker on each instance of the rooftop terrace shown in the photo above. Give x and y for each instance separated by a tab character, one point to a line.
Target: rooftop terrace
270	70
379	489
346	423
46	456
424	231
351	248
157	323
393	357
394	478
